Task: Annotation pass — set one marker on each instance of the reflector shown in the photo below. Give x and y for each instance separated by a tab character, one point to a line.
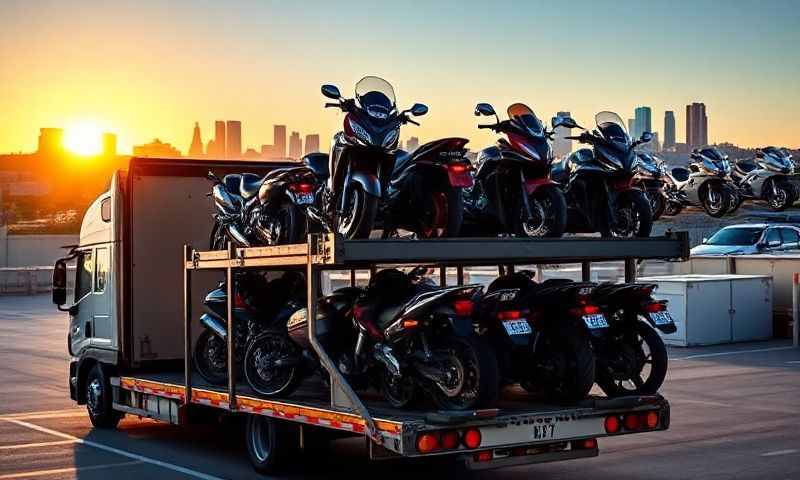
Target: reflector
472	438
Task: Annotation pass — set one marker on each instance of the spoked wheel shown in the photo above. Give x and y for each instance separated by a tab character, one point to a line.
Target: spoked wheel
737	199
211	358
469	374
400	392
359	215
716	200
567	365
644	365
271	365
548	214
634	216
780	196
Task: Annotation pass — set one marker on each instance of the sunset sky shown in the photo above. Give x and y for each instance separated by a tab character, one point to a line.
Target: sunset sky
149	69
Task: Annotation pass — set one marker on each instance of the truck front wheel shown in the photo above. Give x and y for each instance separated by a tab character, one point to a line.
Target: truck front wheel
269	443
99	399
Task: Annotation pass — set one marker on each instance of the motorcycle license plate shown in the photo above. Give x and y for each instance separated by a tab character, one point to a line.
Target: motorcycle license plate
517	327
595	321
661	318
305	198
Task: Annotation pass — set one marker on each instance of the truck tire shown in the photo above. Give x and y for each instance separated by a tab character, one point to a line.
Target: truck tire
270	443
99	399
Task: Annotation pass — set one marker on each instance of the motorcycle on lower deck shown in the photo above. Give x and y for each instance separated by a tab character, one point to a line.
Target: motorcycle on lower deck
705	183
598	182
513	193
769	177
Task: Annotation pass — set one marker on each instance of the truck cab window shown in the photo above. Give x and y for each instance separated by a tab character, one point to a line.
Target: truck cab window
83	280
105	209
101	271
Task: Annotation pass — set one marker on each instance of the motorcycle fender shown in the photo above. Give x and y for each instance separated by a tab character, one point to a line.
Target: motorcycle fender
368	181
531	185
216	325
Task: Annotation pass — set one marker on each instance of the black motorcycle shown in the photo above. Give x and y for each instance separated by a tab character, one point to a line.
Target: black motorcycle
649	178
632	358
541	334
414	337
513	193
251	210
598	182
363	154
425	193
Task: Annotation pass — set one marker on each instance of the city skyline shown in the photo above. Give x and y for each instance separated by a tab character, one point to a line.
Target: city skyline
130	70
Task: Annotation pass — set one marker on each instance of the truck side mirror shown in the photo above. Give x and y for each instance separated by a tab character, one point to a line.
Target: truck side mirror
60	283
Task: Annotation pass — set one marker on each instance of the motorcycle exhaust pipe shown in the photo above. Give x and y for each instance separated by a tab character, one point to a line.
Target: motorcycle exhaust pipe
215	325
238	236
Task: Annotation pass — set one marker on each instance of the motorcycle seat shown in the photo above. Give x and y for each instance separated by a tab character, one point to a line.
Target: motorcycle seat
249	185
318	163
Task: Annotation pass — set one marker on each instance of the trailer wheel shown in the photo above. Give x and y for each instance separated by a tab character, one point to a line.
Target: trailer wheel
269	443
99	400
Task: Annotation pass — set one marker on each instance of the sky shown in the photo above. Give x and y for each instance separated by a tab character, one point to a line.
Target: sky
146	69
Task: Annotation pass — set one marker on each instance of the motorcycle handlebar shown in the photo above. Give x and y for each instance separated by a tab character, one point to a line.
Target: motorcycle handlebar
487	126
331	104
412	121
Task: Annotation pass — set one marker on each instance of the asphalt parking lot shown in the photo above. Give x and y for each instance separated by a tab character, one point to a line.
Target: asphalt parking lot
735	414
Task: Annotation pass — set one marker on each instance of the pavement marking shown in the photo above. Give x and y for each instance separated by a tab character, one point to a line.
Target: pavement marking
779	452
71	412
39	473
731	352
702	402
34	445
100	446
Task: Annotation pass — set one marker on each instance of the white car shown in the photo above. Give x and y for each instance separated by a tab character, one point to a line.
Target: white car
749	239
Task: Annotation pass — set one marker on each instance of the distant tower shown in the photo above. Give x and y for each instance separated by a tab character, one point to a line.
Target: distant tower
233	139
696	125
312	143
196	148
669	129
51	140
219	140
279	141
412	144
562	146
109	145
295	146
642	121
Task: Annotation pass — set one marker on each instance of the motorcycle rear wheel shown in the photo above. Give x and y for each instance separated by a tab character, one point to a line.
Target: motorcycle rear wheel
672	208
473	370
616	384
399	392
260	370
570	359
210	357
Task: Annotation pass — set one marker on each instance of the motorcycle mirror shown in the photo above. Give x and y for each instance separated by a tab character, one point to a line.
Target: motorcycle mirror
484	109
566	122
418	109
646	137
331	91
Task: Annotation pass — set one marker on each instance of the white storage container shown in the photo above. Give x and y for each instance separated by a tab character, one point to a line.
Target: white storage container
714	309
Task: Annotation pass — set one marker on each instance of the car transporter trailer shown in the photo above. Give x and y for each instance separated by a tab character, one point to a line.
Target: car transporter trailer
519	431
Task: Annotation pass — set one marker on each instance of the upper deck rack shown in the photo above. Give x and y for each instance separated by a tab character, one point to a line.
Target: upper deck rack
331	251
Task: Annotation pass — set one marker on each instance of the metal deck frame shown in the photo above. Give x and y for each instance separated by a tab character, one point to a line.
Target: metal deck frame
332	252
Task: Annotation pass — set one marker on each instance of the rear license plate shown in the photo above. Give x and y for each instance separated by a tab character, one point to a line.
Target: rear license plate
517	327
597	320
544	432
661	318
305	198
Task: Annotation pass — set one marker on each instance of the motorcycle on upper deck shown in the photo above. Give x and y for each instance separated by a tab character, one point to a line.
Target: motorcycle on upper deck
768	177
363	154
649	177
705	183
599	182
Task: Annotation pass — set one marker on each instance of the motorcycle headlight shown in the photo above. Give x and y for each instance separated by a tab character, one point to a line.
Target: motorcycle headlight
390	138
361	133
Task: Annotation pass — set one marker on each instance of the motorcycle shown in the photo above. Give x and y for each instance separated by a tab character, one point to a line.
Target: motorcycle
768	177
253	210
513	193
363	154
253	313
649	177
705	183
632	358
414	337
541	333
598	182
424	195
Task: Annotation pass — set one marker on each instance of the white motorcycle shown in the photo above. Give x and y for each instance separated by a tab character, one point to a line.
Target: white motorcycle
706	183
768	177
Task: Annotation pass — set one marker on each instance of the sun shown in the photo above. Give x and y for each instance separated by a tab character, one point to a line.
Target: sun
83	139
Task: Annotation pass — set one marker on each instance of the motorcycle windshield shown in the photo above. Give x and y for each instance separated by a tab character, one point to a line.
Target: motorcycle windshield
611	126
713	154
376	97
524	117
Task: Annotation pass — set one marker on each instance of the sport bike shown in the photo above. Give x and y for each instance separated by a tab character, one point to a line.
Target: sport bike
705	183
649	177
768	177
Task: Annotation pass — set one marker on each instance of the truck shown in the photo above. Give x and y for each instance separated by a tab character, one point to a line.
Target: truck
139	279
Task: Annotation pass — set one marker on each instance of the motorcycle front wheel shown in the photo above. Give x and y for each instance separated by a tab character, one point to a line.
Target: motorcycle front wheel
658	203
262	368
470	374
210	357
780	196
548	214
359	215
646	358
716	199
634	216
672	208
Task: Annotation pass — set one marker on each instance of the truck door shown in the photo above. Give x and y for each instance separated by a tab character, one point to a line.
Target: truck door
80	328
101	298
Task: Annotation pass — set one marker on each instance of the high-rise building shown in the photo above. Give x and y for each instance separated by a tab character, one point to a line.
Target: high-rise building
412	144
51	140
233	139
196	148
696	125
669	129
219	141
109	145
561	145
642	121
631	127
157	149
279	141
312	143
295	146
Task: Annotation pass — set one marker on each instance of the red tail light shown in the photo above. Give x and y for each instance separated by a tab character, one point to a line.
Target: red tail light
427	442
588	444
450	440
632	421
585	310
410	323
655	307
509	315
472	438
464	307
612	424
457	167
651	419
484	456
301	187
